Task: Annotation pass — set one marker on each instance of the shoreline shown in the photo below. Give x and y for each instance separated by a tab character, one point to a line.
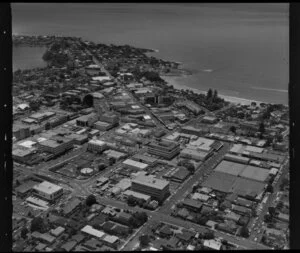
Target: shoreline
235	100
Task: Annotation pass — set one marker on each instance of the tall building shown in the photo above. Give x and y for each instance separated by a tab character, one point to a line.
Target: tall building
100	104
56	145
163	148
149	185
48	191
109	117
96	146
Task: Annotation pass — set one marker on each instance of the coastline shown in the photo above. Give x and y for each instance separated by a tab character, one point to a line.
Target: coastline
171	80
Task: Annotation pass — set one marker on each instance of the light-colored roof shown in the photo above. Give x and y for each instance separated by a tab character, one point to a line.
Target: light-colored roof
254	149
124	184
194	153
111	238
97	142
202	143
212	244
57	231
151	181
21	152
200	196
91	231
94	66
27	144
47	187
37	202
97	95
135	164
273	171
101	78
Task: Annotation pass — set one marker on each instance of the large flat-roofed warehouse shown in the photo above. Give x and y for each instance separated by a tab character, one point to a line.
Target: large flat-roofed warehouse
48	191
230	168
219	181
243	170
227	183
248	188
165	149
255	173
149	185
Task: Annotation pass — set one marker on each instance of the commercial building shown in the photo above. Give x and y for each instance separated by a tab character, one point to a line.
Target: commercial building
58	120
100	104
39	117
193	130
21	155
164	149
56	145
137	195
48	191
79	139
131	164
96	146
114	154
145	159
93	70
192	204
194	154
236	158
156	188
109	117
21	132
103	126
93	232
87	120
209	120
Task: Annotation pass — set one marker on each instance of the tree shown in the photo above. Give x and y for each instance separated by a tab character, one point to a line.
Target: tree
209	94
195	187
272	210
34	105
144	240
47	126
209	235
24	232
131	201
244	232
262	127
268	218
233	129
90	200
190	167
111	160
215	95
37	224
269	188
88	100
279	205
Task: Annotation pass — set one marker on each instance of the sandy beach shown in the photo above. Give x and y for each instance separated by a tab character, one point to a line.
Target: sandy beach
171	80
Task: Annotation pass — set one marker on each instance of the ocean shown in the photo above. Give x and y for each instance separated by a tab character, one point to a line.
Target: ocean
239	49
25	57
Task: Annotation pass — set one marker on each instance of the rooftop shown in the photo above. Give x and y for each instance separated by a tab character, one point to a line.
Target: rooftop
94	232
135	164
150	181
47	187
